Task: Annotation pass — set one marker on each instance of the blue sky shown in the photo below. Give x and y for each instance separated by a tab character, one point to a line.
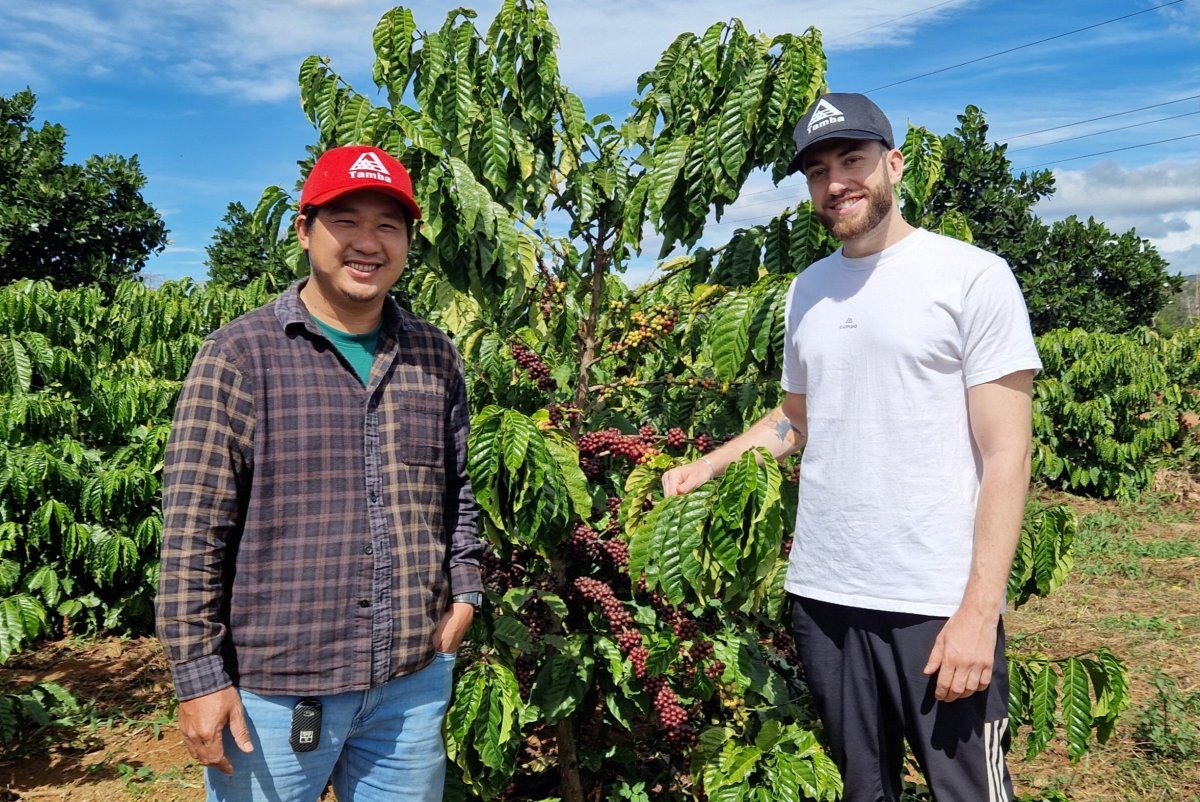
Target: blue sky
205	93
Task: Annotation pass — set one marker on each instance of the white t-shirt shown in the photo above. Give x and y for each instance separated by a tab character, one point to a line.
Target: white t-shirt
885	347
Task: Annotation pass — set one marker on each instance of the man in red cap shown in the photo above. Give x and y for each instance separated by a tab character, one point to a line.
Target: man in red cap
320	558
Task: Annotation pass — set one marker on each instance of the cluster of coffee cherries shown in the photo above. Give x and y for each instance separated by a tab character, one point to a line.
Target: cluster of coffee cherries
601	594
586	546
551	296
696	653
613	505
781	641
611	442
535	615
500	575
672	717
534	367
689	629
525	669
701	652
637	448
559	415
697	382
648	325
677	439
620	622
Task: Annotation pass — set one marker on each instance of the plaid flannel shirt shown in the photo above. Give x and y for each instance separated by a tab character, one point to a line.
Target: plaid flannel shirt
314	529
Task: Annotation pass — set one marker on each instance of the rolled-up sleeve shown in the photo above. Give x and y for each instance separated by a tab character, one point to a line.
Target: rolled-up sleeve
207	470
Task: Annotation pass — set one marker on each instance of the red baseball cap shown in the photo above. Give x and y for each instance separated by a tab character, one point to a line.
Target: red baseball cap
355	167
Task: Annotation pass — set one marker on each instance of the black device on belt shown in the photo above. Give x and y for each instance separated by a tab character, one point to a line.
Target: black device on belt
306	724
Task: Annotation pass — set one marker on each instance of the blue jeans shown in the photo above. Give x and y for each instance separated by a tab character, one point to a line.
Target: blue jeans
377	745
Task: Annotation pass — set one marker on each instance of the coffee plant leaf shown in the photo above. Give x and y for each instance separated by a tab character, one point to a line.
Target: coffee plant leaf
1043	699
1076	707
22	618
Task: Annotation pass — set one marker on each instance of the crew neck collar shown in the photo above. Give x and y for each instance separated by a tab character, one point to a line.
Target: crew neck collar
888	254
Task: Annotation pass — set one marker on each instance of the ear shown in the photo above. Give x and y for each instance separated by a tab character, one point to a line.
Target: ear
894	161
302	230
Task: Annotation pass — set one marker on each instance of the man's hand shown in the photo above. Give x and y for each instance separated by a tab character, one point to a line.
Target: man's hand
203	720
686	478
453	627
963	655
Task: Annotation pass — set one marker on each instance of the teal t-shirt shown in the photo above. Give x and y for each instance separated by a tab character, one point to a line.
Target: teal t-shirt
359	349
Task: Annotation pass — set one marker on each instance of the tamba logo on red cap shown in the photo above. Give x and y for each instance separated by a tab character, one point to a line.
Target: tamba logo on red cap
368	165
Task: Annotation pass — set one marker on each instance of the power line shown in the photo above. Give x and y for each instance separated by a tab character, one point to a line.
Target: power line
1022	47
757	219
1106	131
1102	117
1114	150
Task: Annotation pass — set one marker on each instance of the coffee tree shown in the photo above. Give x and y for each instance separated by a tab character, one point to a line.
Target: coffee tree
631	646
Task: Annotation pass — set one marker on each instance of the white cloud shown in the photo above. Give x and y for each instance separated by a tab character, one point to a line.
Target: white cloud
1161	201
605	46
1184	18
253	50
249	50
1185	262
1182	231
1111	192
19	71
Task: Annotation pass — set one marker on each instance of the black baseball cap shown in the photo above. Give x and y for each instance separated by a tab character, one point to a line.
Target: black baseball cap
840	115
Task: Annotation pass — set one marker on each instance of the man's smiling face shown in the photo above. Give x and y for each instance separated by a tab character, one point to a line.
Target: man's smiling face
852	186
357	247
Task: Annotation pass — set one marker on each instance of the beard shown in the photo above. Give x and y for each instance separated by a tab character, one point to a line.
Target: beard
880	199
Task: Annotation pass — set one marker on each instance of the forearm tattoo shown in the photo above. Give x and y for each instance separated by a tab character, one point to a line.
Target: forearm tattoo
783	426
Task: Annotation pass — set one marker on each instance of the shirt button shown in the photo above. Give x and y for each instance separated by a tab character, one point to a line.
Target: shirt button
374	495
364	603
368	550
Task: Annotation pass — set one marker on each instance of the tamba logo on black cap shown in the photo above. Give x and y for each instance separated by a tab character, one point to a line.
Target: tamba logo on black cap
840	115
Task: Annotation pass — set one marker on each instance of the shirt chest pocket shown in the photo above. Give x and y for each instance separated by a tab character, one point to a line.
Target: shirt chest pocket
419	429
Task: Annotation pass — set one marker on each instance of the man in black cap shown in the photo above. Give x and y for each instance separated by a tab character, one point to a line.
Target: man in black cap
908	375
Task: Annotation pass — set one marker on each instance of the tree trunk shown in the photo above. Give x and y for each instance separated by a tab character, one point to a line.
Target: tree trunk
587	353
568	762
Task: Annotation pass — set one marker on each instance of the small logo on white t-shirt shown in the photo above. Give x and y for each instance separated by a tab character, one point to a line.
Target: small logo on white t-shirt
369	166
849	324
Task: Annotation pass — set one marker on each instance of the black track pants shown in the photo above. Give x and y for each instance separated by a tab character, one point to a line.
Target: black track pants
865	671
